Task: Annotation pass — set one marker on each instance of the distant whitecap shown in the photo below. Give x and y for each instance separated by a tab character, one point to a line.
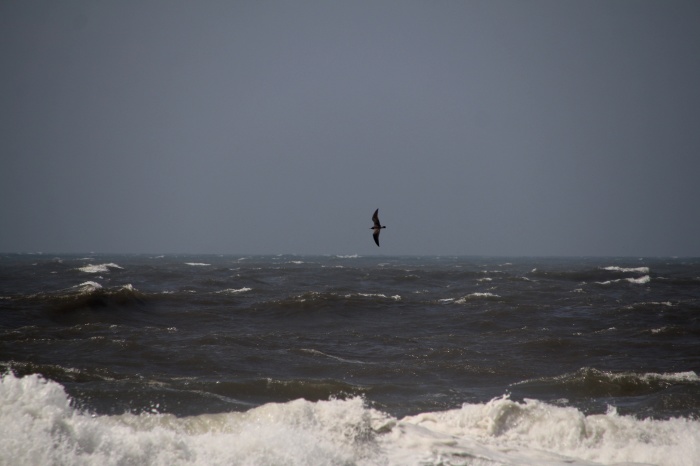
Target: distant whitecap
614	268
100	268
234	291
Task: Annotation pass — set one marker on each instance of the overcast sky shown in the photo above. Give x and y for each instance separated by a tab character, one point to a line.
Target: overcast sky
477	128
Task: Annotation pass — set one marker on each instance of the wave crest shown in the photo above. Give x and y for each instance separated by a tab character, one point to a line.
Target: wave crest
39	425
590	382
100	268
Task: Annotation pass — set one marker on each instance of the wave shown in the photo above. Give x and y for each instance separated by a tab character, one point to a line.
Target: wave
100	268
91	296
650	305
40	425
590	382
636	281
58	372
315	352
88	287
373	295
509	432
470	297
234	291
607	274
615	268
325	300
280	389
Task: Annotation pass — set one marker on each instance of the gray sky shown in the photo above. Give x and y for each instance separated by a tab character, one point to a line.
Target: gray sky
494	127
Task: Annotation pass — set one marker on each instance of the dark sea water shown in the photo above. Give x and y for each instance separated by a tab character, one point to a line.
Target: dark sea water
138	359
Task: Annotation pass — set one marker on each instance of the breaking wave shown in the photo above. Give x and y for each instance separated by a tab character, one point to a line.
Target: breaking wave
40	425
100	268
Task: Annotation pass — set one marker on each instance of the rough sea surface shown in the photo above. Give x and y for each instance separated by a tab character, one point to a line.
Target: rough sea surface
285	360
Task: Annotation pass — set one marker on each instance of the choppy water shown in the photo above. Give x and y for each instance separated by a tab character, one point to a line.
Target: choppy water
348	360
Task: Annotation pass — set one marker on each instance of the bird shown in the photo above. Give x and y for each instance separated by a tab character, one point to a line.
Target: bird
377	226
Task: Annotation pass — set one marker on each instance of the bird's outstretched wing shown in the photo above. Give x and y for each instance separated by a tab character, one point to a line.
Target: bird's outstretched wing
375	235
375	219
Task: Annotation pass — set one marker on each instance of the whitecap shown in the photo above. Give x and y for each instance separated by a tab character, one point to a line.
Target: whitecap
197	264
640	280
234	291
608	282
636	281
472	296
615	268
99	268
684	377
375	295
88	287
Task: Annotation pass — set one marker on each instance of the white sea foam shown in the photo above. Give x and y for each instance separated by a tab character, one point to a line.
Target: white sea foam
100	268
88	287
640	280
38	425
375	295
689	376
650	303
468	297
197	264
518	433
636	281
615	268
234	291
472	296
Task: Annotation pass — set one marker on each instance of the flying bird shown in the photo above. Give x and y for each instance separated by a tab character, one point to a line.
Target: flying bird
377	226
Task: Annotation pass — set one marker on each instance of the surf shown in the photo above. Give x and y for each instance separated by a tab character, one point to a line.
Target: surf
39	424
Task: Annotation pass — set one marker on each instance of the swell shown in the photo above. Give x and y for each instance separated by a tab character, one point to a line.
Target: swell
655	394
312	302
609	274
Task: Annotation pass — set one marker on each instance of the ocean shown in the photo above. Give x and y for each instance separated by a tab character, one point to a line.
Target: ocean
348	360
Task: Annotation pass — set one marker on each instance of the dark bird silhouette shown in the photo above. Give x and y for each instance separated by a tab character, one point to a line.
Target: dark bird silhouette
377	226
